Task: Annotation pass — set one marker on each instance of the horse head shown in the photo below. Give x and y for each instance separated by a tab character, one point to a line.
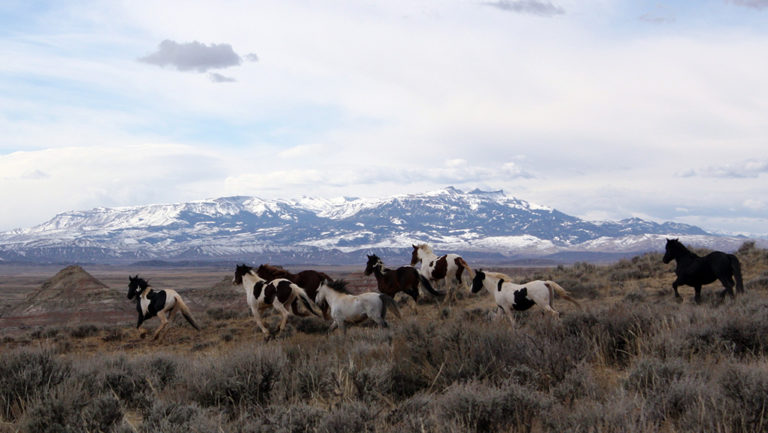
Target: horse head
373	261
477	282
240	270
136	285
415	255
671	250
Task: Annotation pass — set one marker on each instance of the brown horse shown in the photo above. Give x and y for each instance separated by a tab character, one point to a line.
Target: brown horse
308	280
404	279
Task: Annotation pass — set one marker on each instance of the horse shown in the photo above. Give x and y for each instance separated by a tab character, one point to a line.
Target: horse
447	269
404	279
308	280
520	297
346	307
261	294
150	303
695	271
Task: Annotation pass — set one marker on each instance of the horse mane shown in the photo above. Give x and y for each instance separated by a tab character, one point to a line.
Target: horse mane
276	271
141	282
426	248
339	286
678	247
498	275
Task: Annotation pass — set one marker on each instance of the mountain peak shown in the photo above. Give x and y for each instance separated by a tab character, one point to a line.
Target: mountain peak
242	227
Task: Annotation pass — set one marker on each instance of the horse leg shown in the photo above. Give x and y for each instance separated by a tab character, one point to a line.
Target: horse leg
697	298
379	321
677	295
164	321
510	315
728	285
550	310
170	319
281	309
257	318
333	326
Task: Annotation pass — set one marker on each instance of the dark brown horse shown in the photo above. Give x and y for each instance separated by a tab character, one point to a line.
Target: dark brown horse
696	271
308	280
404	279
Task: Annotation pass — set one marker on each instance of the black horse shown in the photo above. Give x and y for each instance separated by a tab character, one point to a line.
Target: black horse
696	271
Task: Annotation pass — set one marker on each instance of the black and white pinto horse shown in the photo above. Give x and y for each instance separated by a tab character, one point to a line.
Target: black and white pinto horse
695	271
151	303
447	270
520	297
346	307
278	294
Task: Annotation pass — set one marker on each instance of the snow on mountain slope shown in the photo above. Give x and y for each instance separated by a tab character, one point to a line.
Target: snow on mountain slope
448	219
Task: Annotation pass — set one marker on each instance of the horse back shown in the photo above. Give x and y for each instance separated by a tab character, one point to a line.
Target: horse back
310	280
280	289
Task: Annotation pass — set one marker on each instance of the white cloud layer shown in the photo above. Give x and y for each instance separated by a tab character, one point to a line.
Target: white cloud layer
580	106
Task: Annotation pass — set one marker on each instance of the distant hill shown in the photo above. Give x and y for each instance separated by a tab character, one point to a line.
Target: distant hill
72	296
488	225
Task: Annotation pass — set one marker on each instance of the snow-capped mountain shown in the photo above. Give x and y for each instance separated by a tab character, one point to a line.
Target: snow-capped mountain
332	231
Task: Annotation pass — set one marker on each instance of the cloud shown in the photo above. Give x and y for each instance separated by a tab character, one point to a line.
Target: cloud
745	169
252	57
755	4
535	7
218	78
656	19
193	56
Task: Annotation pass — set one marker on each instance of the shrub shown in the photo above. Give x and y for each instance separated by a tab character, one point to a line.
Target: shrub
83	331
26	374
746	388
173	417
480	408
241	380
351	417
651	374
71	409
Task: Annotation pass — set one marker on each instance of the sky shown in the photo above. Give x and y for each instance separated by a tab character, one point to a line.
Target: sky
602	109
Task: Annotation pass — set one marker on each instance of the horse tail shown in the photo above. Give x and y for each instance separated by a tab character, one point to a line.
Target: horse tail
301	294
186	313
464	264
387	301
428	287
736	268
562	292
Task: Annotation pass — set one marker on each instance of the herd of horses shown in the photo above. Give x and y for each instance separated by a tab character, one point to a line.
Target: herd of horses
269	286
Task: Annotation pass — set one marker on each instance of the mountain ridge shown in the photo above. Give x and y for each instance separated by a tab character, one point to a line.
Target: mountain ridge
332	230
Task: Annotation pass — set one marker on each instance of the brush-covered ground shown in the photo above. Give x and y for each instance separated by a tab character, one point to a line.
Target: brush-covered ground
632	360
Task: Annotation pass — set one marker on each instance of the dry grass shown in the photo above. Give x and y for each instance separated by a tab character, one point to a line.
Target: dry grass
633	360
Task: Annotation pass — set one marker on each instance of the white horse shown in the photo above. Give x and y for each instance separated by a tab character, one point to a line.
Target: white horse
520	297
150	303
278	293
346	307
447	270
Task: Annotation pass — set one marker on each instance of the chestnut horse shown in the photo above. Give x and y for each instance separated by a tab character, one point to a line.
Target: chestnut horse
404	279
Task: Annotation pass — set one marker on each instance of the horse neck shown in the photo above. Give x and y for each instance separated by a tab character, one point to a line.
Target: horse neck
684	255
426	256
331	296
490	283
378	270
251	281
